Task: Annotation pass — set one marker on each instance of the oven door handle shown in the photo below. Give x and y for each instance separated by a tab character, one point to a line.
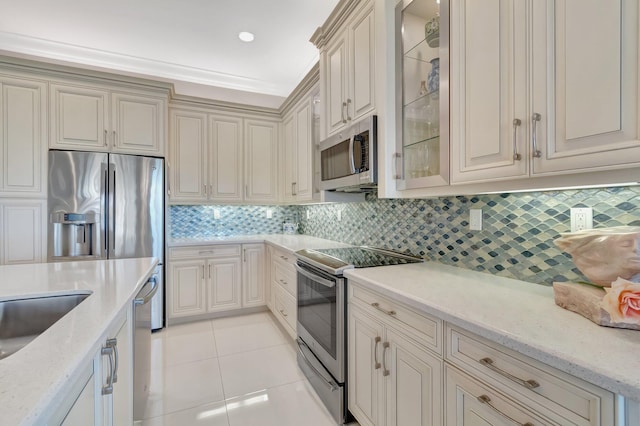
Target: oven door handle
301	345
315	278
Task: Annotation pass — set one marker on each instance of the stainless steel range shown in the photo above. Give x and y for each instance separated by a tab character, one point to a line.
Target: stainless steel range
322	319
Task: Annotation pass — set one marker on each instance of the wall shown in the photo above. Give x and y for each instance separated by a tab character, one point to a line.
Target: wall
517	236
516	240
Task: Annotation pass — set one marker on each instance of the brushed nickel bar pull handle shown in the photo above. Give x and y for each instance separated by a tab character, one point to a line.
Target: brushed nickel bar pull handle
377	306
348	103
516	123
106	138
484	399
385	372
209	271
204	187
203	272
529	384
344	105
168	178
113	343
398	159
293	189
284	314
283	257
536	152
376	364
115	138
108	388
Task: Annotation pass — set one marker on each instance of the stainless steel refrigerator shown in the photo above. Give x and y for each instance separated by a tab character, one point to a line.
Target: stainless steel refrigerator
107	206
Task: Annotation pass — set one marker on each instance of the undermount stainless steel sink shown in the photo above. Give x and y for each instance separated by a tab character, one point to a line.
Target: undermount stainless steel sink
23	320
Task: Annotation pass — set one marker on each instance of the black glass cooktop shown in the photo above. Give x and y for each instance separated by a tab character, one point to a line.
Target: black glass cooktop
365	257
338	259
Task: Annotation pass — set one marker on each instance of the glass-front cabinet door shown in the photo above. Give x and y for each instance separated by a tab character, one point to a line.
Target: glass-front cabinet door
422	93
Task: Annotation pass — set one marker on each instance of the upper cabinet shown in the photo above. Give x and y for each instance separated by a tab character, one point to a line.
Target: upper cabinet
23	112
94	118
422	126
298	150
261	161
544	88
347	68
221	158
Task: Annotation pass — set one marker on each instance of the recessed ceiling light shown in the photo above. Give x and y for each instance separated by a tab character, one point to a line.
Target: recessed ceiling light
246	36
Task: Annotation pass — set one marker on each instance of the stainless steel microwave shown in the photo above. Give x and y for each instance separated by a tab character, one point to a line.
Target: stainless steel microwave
348	160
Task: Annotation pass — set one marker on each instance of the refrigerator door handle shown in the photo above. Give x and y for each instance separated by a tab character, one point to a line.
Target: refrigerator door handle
112	211
105	214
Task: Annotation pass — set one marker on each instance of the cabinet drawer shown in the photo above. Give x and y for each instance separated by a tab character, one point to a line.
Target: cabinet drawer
285	276
285	310
559	396
214	250
283	256
426	329
470	402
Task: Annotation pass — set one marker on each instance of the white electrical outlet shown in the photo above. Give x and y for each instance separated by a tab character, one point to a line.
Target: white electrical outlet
269	213
581	218
308	214
216	214
475	219
339	215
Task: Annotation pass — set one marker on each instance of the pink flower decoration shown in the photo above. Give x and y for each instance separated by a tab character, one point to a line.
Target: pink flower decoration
622	301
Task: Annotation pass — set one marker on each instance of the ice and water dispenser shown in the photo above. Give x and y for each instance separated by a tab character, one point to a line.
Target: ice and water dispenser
75	234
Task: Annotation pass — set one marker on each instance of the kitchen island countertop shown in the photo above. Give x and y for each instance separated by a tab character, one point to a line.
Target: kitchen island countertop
519	315
34	380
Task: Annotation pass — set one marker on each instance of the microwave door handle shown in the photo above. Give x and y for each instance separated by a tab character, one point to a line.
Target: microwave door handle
315	278
352	160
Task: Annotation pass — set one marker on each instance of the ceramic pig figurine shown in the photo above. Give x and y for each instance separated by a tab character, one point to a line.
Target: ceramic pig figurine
605	254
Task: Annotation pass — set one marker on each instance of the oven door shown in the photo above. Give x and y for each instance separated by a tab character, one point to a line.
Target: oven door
321	317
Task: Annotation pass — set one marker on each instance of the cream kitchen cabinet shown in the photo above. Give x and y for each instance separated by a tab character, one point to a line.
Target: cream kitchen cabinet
253	275
101	118
261	161
283	286
23	114
204	280
347	70
103	394
298	152
395	363
508	384
22	231
536	91
206	157
222	158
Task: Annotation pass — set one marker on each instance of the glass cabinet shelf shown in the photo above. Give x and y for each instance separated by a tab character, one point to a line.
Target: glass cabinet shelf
422	36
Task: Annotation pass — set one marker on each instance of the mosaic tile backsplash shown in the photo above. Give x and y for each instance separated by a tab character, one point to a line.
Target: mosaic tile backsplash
516	240
199	221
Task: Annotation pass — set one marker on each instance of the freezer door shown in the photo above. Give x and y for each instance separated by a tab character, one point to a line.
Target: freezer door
77	210
136	207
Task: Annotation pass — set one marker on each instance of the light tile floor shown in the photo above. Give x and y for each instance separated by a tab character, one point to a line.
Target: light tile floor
236	371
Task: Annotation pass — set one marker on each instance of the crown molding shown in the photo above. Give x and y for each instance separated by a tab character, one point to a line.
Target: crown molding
41	49
336	19
307	84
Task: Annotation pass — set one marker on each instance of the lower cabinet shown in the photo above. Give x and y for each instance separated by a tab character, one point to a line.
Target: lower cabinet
409	368
103	393
469	402
283	289
394	378
215	278
22	231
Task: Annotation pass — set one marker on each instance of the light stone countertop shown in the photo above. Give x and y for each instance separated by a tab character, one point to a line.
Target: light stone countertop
290	243
519	315
34	380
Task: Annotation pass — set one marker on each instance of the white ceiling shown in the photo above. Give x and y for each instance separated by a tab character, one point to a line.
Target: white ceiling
189	41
